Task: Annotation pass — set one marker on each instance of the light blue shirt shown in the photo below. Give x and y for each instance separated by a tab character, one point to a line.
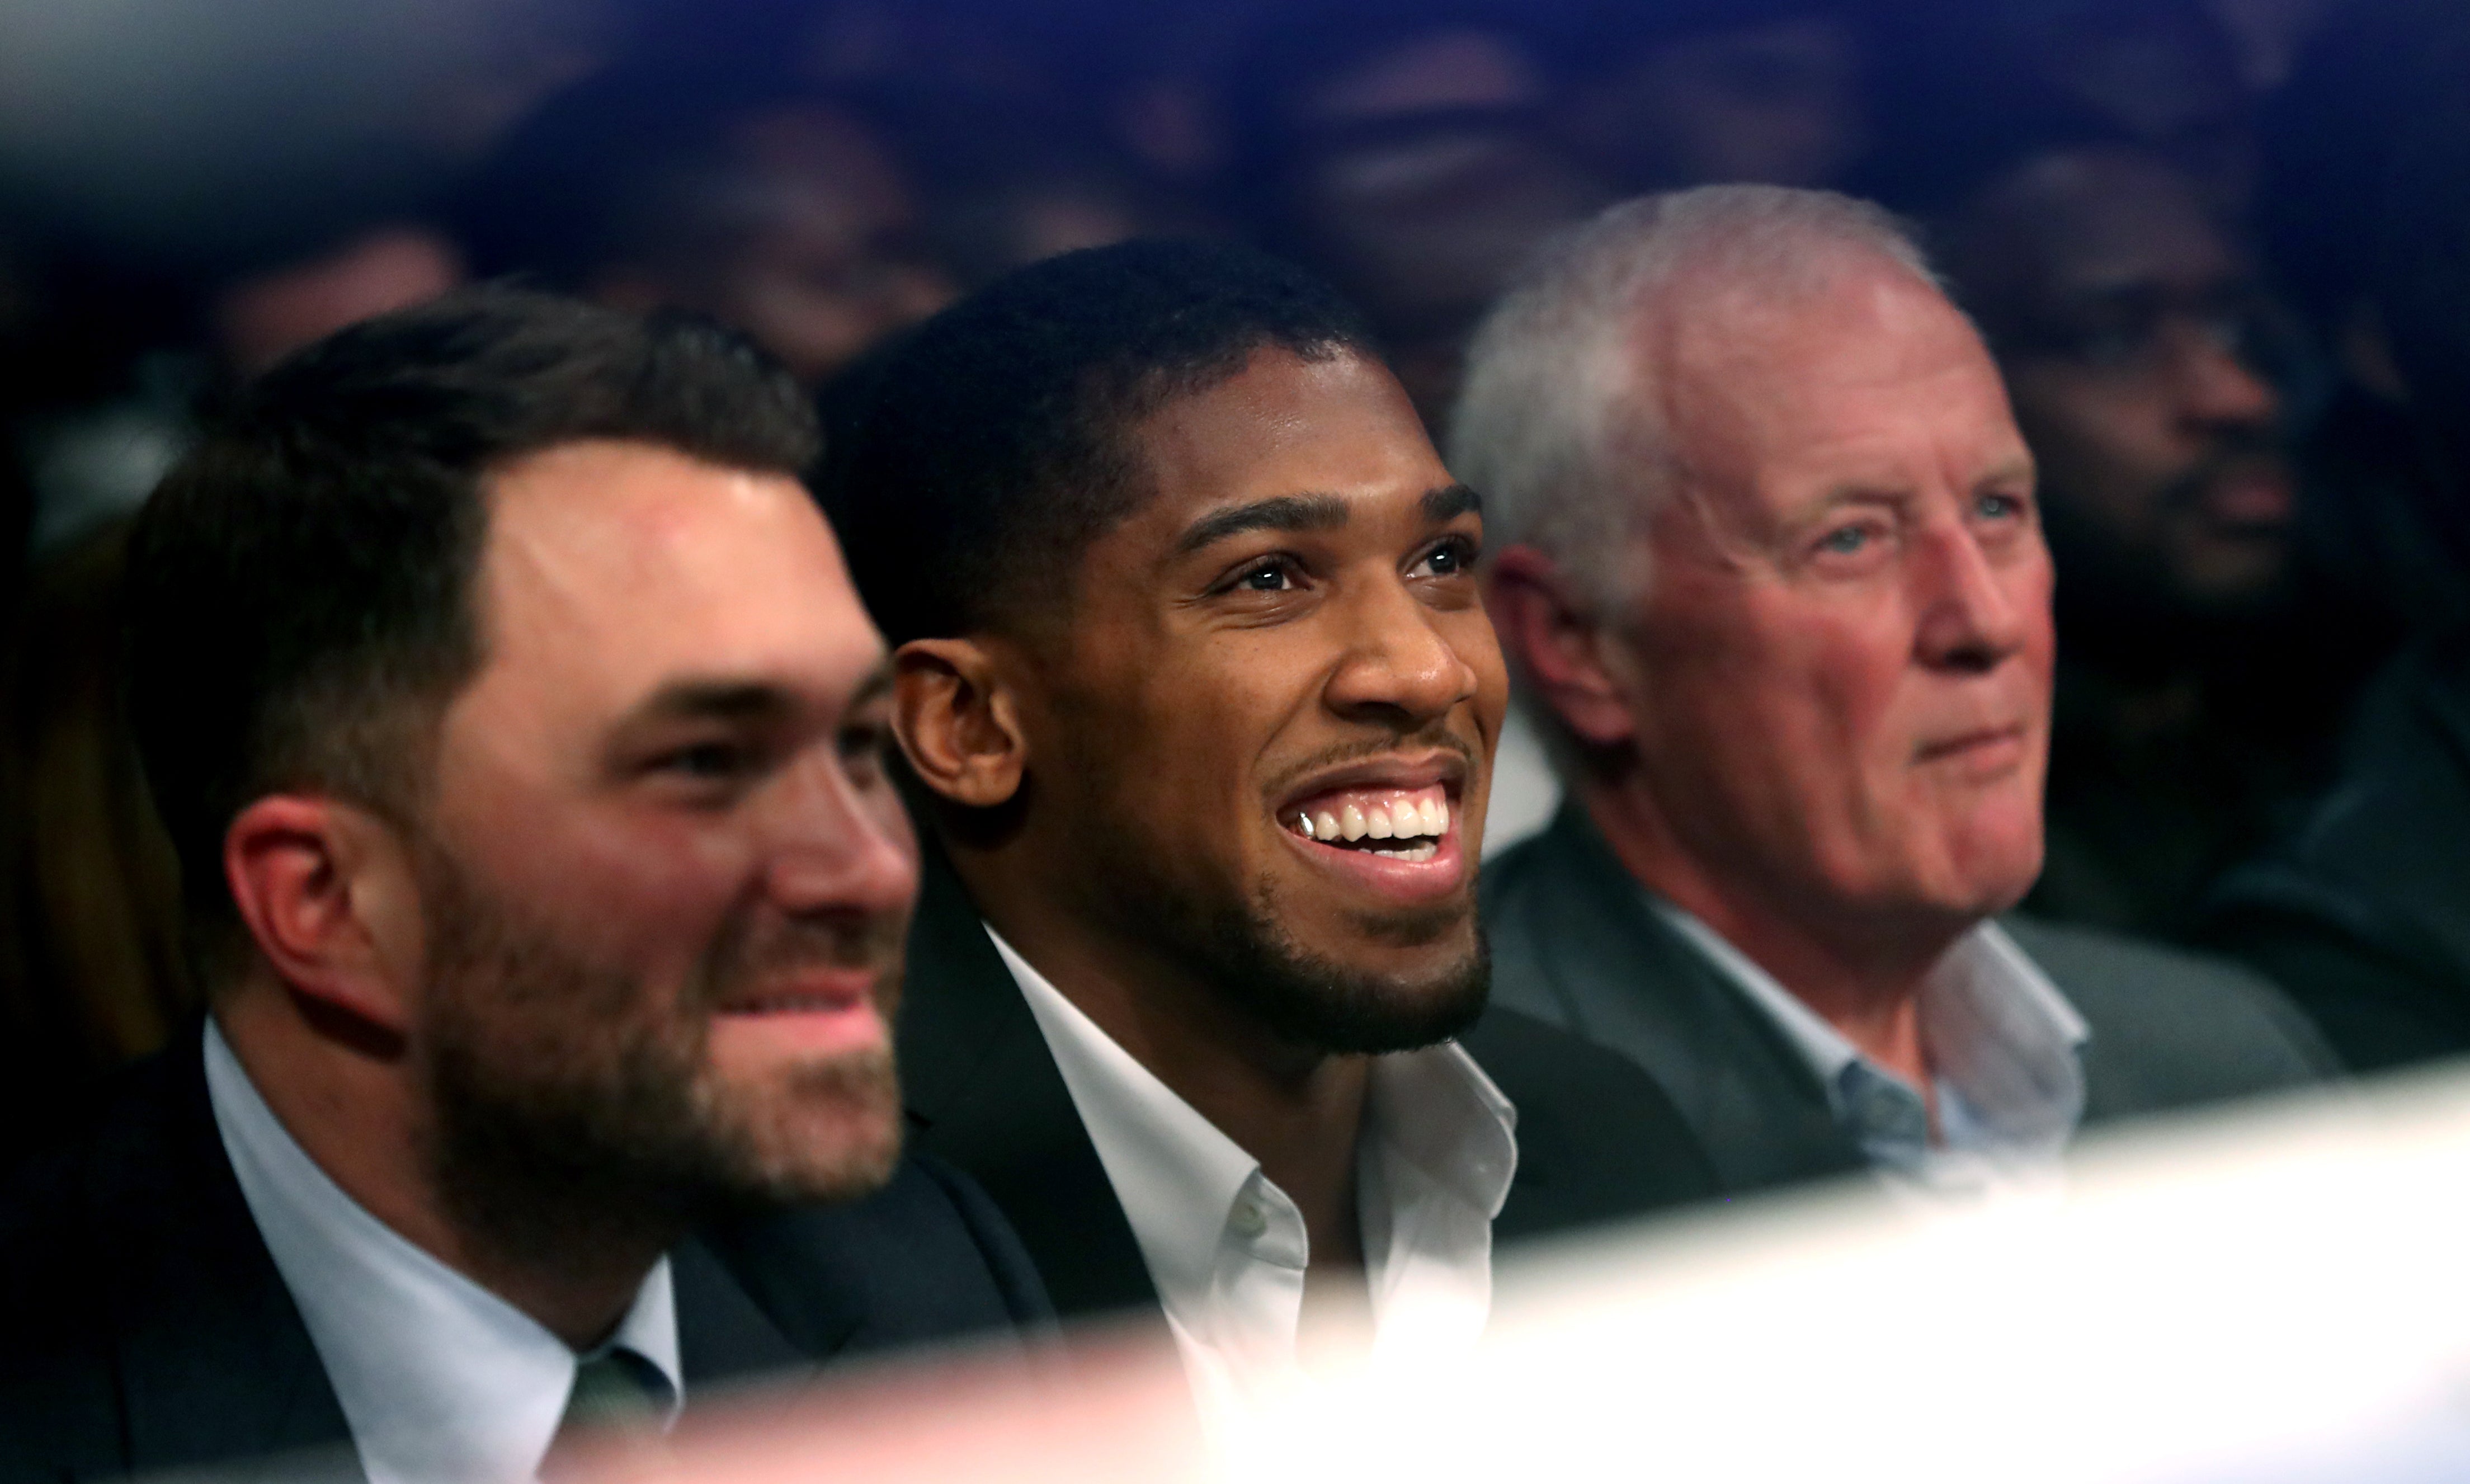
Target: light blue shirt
441	1381
2005	1053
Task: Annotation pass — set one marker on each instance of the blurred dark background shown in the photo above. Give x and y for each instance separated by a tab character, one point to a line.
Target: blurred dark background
2217	244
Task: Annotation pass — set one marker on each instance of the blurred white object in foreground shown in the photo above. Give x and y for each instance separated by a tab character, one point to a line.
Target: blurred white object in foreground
2282	1297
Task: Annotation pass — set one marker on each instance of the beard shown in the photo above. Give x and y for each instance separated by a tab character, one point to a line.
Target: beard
566	1090
1241	946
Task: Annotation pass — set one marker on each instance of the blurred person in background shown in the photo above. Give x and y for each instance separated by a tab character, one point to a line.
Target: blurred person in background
751	196
2364	914
519	733
1405	150
1772	566
2201	679
1957	83
91	973
1202	702
1709	91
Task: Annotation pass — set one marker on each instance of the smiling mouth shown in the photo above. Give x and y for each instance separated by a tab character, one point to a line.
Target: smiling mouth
1398	823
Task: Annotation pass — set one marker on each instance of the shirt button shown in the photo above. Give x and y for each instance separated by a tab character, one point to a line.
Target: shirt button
1247	1220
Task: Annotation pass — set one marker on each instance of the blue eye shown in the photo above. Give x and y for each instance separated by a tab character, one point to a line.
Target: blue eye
2000	508
1844	541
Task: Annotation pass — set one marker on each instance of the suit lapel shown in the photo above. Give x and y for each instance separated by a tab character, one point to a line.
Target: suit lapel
983	1093
725	1336
214	1360
1627	980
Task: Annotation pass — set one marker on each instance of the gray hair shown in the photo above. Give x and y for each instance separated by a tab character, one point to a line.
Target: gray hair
1560	420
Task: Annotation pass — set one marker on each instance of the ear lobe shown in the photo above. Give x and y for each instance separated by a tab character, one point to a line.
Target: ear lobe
1557	643
327	895
958	722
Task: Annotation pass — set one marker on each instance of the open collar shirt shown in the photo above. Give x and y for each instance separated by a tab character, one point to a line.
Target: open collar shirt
1226	1248
440	1378
2005	1053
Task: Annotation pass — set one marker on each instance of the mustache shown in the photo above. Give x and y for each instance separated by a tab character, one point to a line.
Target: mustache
875	941
1435	738
2232	450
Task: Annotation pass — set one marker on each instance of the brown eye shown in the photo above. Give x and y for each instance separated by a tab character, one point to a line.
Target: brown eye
1268	576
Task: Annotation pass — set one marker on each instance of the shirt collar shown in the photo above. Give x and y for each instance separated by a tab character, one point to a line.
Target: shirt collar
1179	1177
1999	1034
440	1378
1174	1173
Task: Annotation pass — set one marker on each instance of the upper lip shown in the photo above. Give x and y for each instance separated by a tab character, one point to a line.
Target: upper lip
1446	768
1958	742
841	986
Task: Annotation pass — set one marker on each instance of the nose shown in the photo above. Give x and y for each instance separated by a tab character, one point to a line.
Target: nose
2216	387
838	851
1976	611
1399	669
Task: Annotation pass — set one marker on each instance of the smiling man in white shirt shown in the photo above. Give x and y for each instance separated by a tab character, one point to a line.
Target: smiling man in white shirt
1193	673
520	732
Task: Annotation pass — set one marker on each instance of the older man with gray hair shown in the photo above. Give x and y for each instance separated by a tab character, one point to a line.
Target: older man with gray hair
1770	564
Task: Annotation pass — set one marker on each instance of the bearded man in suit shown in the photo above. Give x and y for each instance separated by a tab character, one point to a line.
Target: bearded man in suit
518	731
1194	678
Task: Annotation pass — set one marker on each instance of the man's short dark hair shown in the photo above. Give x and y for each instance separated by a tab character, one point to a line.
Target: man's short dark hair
972	461
300	587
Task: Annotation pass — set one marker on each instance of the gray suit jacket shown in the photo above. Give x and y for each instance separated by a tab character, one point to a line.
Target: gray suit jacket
1574	943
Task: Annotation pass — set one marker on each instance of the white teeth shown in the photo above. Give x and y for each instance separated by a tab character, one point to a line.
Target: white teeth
1327	824
1441	814
1376	823
1350	821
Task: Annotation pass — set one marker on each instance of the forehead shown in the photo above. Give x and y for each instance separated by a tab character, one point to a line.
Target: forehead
615	567
1869	366
2093	223
1284	425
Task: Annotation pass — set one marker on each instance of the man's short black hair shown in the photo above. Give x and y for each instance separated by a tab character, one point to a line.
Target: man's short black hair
299	588
971	462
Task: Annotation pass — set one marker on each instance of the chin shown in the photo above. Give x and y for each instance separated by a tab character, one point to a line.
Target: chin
824	1130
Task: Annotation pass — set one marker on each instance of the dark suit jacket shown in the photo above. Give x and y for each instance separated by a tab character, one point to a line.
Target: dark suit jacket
144	1325
1574	943
2364	916
1596	1141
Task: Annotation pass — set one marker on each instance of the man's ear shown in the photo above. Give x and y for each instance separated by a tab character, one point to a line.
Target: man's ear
958	721
328	894
1558	643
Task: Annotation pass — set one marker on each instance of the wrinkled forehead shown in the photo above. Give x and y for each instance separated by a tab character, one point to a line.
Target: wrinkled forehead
1742	367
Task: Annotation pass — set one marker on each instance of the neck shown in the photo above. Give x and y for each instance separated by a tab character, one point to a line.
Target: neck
1860	971
348	1094
1297	1109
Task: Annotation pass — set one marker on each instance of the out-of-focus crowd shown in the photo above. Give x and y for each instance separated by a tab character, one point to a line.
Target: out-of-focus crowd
2218	250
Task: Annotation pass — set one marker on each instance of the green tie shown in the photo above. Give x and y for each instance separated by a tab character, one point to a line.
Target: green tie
620	1403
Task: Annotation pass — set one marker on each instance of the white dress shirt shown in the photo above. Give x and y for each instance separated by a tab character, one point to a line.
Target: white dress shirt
1226	1248
2004	1050
440	1378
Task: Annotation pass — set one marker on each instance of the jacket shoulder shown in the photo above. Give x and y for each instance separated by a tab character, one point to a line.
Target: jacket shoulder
924	1260
1598	1140
2172	1028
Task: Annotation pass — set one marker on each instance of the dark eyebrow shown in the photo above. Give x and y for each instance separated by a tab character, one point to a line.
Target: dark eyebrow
1451	502
1282	513
727	700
